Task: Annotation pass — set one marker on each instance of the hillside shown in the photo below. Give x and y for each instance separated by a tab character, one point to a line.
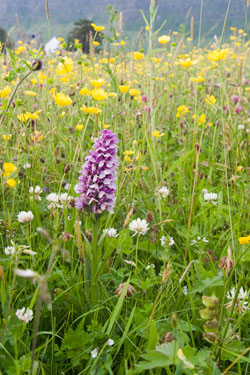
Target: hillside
63	13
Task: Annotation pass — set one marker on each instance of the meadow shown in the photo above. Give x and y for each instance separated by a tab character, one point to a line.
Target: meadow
124	220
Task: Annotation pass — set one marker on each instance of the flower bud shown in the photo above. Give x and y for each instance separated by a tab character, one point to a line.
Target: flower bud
210	301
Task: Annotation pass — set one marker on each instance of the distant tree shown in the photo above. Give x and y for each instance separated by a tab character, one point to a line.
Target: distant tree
81	32
3	35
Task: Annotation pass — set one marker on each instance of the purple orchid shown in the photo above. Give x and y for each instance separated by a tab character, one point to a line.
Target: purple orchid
98	175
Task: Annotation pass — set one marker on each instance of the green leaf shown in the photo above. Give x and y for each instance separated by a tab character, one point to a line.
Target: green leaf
201	285
12	57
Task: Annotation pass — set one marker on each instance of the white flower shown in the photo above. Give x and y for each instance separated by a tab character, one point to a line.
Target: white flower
210	196
94	353
241	302
241	127
149	266
185	290
67	186
163	240
171	241
110	232
9	250
204	239
139	226
163	191
25	217
37	191
110	342
28	274
29	252
27	166
57	200
26	316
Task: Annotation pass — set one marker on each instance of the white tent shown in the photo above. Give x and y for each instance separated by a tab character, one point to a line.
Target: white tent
52	46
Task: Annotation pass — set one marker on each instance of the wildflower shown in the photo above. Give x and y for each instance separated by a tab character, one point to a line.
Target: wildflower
202	119
238	110
79	127
65	67
210	99
23	117
157	134
97	28
110	232
110	342
241	127
186	63
185	290
171	242
99	94
36	191
164	39
93	110
181	111
134	92
98	175
85	91
97	83
10	250
96	43
25	217
11	182
62	100
138	56
30	93
235	98
6	137
139	227
124	88
9	168
163	191
27	166
25	314
241	303
4	93
217	55
163	240
244	240
210	196
94	353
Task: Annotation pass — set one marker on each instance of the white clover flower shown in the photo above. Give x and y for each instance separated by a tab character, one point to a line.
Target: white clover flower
36	191
57	200
163	240
94	353
139	227
110	342
25	316
27	166
163	191
241	304
210	196
110	232
25	217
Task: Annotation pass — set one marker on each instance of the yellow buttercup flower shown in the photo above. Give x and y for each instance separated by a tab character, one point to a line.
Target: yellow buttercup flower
9	167
11	182
62	100
217	55
186	63
97	83
93	110
128	152
65	67
244	240
99	94
157	134
97	28
123	88
79	127
4	93
85	91
96	43
164	39
138	56
7	137
202	119
127	159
